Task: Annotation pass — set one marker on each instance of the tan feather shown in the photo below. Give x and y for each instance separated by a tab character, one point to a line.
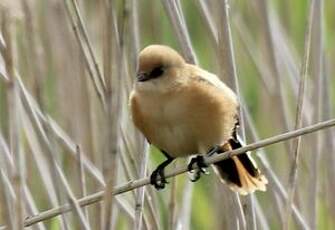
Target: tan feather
185	110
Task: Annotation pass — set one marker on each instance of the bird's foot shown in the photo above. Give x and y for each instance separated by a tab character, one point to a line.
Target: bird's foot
157	178
196	173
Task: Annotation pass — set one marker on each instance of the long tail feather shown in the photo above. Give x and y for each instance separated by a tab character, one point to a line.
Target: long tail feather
240	172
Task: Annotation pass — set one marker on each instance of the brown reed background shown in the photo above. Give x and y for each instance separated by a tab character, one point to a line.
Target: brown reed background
66	70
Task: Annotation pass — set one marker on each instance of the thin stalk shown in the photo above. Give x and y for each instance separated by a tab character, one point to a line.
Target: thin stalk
14	121
98	87
113	70
45	120
135	37
176	17
33	109
131	171
330	158
260	216
89	46
180	30
7	197
269	40
140	192
172	205
32	48
183	222
31	206
96	197
82	179
228	72
317	71
293	176
210	25
274	182
73	202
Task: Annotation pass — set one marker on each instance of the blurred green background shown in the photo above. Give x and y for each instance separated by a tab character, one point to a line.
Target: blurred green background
268	38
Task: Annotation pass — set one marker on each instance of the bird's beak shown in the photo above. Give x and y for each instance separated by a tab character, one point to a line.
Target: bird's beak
143	77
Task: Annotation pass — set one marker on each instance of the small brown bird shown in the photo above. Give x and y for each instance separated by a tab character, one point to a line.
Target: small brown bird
184	110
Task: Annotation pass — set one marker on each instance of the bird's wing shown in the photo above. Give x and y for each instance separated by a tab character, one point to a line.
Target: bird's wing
213	80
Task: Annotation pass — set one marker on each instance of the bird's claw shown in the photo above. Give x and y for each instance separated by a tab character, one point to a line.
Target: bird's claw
201	168
157	179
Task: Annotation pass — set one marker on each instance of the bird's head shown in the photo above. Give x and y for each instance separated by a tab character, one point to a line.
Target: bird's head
158	68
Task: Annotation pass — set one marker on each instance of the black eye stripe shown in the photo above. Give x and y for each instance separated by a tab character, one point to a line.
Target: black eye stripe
156	72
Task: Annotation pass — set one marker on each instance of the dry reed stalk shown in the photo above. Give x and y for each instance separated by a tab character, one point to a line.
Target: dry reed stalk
50	149
183	222
60	134
53	196
210	26
32	49
61	56
88	62
89	46
135	34
55	172
273	62
250	47
45	120
287	58
244	35
180	30
274	183
293	176
31	206
228	73
132	171
41	161
113	63
18	174
8	198
82	179
73	202
174	11
131	25
172	205
7	190
329	158
175	14
318	75
262	222
30	106
96	197
140	195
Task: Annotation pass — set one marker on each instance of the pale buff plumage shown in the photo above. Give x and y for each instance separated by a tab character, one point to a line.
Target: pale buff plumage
187	110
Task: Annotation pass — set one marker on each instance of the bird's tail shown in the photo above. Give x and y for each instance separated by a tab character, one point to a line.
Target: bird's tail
240	172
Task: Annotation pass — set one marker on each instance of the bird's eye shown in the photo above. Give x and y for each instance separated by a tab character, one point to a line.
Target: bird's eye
157	72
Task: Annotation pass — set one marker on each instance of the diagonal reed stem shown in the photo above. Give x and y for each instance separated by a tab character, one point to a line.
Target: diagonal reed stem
96	197
298	122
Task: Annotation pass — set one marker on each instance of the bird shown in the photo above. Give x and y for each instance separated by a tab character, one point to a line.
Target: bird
186	111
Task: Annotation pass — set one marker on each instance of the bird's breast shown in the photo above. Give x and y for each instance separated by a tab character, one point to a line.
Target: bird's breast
187	122
163	123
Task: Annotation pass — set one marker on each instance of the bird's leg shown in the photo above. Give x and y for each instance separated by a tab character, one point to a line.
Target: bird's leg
201	167
200	162
157	177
